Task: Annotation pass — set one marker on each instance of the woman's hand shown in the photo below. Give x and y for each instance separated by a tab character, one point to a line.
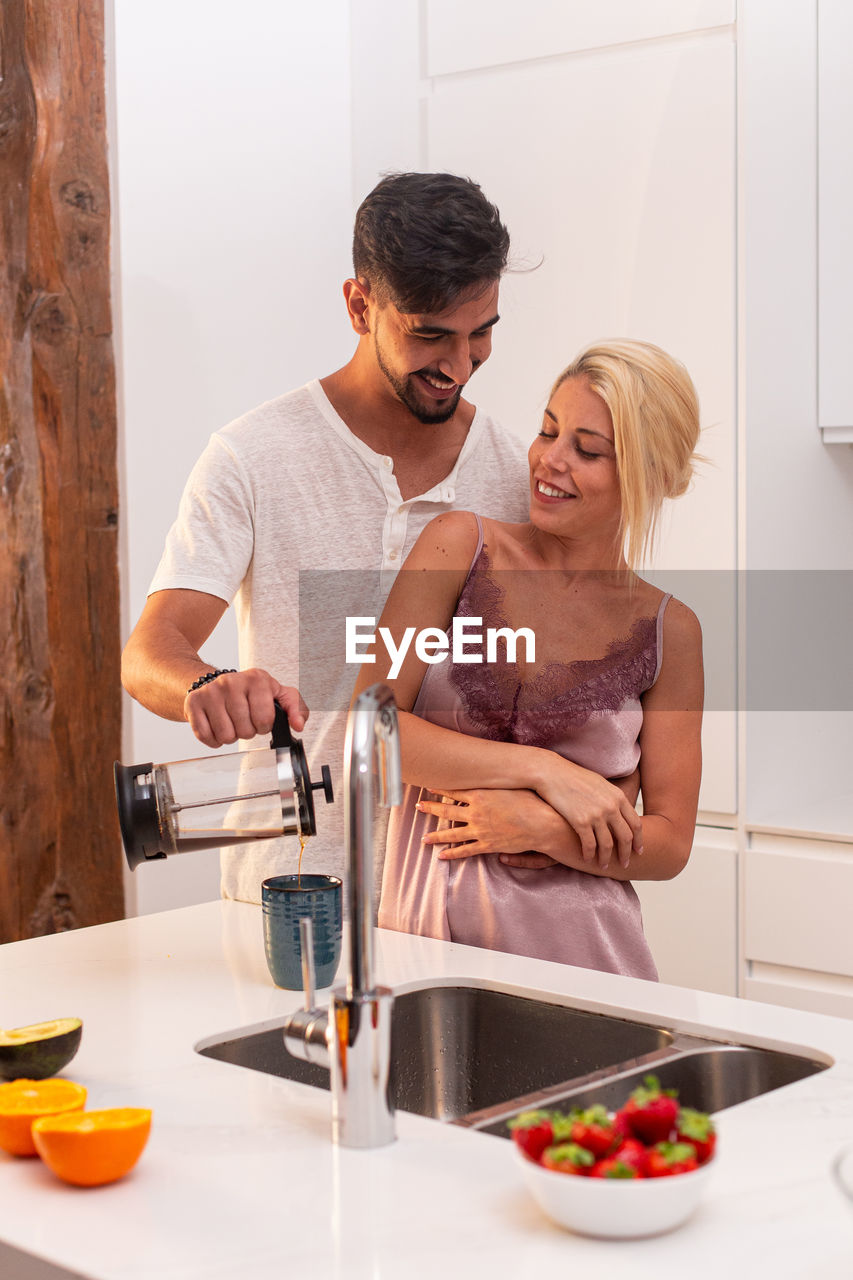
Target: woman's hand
605	821
492	820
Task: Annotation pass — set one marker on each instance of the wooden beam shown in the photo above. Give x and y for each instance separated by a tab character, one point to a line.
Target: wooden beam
60	715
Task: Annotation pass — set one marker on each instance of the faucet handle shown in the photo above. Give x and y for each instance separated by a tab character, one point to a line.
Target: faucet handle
305	1031
306	949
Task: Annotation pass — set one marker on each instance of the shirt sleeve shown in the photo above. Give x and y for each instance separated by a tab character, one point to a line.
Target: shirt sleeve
209	547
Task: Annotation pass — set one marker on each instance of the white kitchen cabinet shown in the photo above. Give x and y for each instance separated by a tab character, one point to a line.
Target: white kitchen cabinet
835	194
807	989
691	922
798	899
798	943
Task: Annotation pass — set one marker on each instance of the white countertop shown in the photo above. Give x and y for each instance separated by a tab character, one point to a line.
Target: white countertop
240	1178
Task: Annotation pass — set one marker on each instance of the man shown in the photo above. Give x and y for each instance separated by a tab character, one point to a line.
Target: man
338	476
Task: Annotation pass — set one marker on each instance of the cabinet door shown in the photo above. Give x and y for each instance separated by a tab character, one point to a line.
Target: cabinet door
691	922
835	191
808	989
797	896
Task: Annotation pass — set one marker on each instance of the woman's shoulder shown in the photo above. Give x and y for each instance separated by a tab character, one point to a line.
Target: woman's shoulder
680	635
449	541
677	630
454	540
679	620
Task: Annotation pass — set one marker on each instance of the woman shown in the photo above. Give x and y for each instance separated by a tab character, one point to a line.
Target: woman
610	701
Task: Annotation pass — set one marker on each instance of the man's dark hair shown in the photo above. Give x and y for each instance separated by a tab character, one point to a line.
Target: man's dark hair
423	240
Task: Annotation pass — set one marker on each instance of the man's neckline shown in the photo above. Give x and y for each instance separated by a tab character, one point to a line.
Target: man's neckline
370	455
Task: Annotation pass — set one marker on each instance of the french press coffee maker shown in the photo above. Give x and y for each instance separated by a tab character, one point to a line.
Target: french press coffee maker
218	800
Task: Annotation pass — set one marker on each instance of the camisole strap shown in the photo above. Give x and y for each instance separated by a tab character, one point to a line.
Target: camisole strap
667	596
477	550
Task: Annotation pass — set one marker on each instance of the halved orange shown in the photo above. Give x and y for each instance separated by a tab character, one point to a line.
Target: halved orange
89	1148
23	1101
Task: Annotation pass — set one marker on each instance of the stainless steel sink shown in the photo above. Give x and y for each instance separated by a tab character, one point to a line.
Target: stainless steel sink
475	1056
460	1049
707	1079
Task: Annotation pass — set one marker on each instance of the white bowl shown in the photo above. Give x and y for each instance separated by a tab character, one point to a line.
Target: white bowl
615	1208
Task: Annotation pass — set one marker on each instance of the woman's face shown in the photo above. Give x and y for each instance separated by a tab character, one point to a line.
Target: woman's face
574	486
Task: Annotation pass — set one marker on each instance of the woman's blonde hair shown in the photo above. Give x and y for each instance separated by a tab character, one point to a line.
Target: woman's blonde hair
655	413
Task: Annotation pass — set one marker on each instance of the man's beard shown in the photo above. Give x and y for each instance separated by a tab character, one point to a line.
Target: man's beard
407	394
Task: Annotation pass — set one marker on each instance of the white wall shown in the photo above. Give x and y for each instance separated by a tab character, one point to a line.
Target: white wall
233	215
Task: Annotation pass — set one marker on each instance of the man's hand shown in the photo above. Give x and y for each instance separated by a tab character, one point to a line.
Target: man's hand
241	704
161	660
493	821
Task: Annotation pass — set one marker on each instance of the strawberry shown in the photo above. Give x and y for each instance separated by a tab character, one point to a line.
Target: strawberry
667	1158
621	1127
651	1112
568	1157
615	1167
594	1130
697	1128
532	1132
632	1152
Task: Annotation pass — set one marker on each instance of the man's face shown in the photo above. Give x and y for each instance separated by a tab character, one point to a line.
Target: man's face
427	359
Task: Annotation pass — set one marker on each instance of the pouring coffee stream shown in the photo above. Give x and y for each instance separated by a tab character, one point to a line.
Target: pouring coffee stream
218	800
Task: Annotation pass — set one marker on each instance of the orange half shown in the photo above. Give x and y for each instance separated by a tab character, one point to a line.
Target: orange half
89	1148
22	1102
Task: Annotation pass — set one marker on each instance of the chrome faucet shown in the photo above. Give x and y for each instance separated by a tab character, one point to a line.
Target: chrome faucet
353	1037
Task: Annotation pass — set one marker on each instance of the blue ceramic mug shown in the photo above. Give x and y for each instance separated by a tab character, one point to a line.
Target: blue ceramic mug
285	900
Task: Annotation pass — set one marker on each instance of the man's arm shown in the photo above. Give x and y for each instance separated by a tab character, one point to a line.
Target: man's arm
161	660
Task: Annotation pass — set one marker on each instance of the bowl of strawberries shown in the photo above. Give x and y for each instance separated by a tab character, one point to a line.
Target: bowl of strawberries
638	1171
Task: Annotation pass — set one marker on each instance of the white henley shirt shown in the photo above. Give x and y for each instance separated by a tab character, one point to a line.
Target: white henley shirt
289	515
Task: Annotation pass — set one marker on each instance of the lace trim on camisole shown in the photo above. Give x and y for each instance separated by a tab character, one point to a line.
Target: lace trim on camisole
562	696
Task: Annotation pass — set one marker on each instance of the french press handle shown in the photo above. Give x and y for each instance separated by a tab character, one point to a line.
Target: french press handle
282	738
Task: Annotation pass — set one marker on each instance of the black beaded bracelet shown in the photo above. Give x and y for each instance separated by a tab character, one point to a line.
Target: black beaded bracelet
211	675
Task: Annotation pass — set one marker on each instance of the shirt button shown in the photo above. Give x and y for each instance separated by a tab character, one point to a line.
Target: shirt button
387	463
392	555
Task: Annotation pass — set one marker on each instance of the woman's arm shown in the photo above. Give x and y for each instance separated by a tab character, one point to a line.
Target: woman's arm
513	824
671	748
670	772
425	595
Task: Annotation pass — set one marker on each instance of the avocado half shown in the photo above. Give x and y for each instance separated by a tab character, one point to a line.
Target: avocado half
39	1051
